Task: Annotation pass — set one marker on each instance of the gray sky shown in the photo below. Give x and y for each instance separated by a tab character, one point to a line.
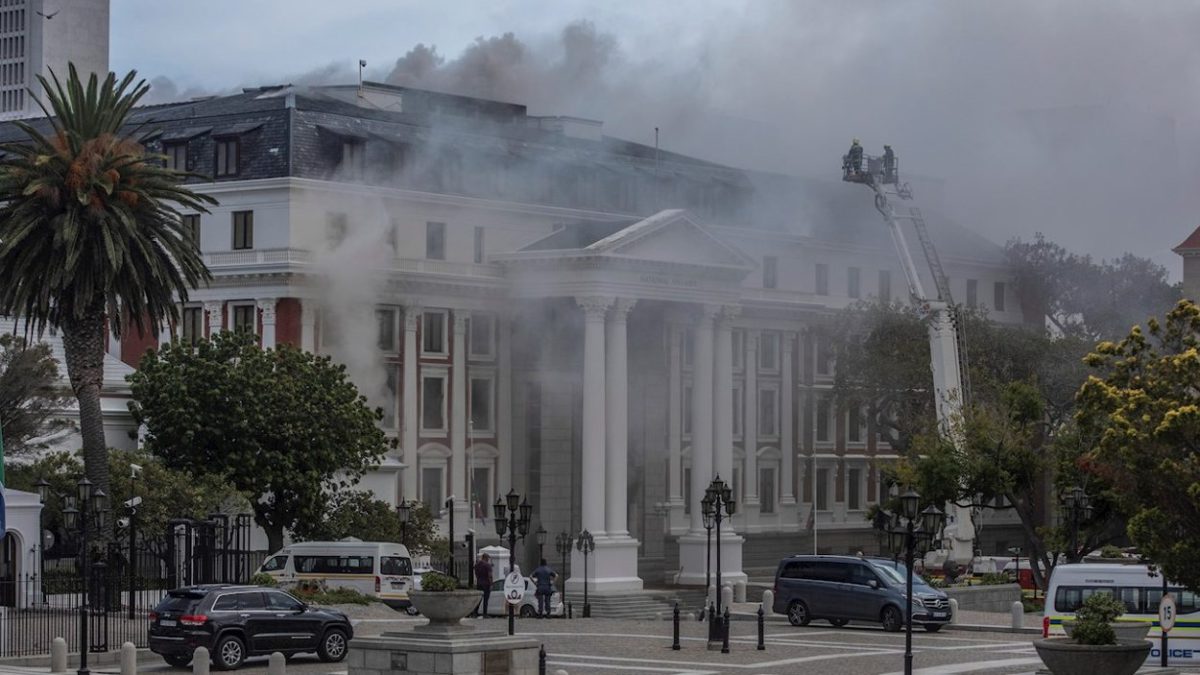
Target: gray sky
1071	117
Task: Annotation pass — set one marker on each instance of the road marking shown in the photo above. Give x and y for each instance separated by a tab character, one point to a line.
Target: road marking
608	666
960	668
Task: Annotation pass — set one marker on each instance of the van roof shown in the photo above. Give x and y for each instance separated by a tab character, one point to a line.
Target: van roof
374	545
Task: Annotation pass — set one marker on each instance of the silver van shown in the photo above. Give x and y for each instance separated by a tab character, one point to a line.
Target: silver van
841	589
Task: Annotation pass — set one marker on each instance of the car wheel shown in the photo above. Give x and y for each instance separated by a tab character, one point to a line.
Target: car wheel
797	613
891	619
178	660
229	654
333	645
527	611
839	622
933	627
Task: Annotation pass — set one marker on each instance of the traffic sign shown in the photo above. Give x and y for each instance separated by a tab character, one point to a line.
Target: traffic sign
514	588
1166	613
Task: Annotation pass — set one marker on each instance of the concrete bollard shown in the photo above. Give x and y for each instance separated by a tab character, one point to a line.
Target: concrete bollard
58	655
768	602
953	610
277	665
726	596
712	595
739	591
128	659
200	661
1018	615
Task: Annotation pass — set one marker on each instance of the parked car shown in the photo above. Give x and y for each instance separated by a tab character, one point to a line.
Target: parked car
841	589
234	622
379	569
529	604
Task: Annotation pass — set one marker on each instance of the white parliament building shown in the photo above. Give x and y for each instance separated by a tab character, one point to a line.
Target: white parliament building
538	307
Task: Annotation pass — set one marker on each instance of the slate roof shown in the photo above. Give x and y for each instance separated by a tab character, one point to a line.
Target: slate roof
1192	243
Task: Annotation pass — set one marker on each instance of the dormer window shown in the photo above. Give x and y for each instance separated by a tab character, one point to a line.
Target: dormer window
227	156
354	158
176	156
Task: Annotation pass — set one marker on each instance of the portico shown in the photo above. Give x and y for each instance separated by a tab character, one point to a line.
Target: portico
665	262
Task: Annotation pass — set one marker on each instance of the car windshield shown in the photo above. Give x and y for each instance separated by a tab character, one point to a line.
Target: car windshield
894	573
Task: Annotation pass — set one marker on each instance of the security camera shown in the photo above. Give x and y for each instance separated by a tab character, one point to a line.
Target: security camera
133	503
122	523
134	470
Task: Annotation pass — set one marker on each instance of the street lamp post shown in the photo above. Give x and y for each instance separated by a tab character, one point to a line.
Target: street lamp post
92	503
512	517
1079	505
403	514
586	544
706	513
563	544
720	506
540	538
450	511
905	533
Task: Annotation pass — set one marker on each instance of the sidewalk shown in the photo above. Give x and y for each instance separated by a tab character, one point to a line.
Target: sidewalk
996	622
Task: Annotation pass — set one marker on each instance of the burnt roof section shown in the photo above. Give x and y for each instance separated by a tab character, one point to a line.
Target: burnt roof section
579	235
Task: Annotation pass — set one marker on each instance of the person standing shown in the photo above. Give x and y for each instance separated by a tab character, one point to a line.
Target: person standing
483	581
544	577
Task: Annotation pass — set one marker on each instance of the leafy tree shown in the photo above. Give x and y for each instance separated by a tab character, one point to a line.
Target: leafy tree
30	396
283	426
1142	409
357	514
91	236
1084	298
166	493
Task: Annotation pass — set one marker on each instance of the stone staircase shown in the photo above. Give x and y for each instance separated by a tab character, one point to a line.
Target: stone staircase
625	605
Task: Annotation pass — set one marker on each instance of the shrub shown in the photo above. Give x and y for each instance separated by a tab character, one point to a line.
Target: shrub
937	582
336	596
1110	551
994	579
438	582
1093	619
264	579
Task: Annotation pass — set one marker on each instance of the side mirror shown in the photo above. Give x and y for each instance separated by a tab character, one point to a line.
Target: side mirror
873	583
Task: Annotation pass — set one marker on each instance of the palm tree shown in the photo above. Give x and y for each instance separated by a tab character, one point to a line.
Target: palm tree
91	234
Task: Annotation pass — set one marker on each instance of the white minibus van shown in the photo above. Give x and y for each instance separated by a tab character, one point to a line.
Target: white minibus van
379	569
1070	585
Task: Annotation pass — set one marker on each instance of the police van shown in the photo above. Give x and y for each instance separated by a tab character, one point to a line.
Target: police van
1133	585
379	569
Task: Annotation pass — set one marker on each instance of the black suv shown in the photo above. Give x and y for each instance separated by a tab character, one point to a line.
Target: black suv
234	622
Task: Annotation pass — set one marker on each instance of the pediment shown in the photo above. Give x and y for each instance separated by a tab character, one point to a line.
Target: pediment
670	236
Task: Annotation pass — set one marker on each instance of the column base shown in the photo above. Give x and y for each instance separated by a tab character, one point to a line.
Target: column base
612	567
677	520
692	550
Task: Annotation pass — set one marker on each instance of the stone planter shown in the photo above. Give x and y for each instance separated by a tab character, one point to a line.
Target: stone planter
1125	630
1064	657
445	608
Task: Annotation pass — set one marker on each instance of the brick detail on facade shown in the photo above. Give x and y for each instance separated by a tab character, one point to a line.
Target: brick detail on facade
287	322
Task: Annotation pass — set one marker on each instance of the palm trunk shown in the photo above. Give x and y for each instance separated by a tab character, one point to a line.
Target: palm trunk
83	343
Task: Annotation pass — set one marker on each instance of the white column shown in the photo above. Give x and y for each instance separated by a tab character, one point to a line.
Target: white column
593	484
267	305
503	407
616	407
410	424
458	424
702	411
750	501
787	447
675	431
723	403
214	311
308	325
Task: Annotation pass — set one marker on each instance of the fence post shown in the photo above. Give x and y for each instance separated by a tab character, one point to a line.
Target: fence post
128	659
954	610
725	633
570	611
277	665
675	628
762	645
200	661
542	660
58	655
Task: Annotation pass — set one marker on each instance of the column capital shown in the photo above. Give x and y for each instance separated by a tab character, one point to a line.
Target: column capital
460	321
412	316
707	313
621	308
594	307
267	305
729	313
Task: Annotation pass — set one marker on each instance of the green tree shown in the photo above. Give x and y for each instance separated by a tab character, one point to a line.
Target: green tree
91	236
352	513
166	493
1142	410
283	426
31	399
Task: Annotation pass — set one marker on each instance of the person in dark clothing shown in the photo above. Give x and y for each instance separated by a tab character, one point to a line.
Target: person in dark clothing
889	165
483	581
856	157
544	577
